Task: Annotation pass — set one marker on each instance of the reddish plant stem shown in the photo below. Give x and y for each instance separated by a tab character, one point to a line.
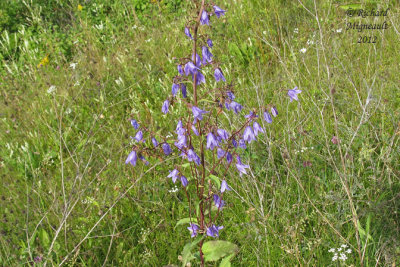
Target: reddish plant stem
200	195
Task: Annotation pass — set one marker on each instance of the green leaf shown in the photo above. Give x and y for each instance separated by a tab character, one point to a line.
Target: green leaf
215	250
185	165
351	6
215	179
187	254
44	238
362	232
226	262
186	220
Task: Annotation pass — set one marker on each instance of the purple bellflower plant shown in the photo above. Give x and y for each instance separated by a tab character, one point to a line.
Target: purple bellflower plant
201	169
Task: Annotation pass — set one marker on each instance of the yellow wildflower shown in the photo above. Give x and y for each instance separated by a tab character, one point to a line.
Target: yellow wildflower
80	7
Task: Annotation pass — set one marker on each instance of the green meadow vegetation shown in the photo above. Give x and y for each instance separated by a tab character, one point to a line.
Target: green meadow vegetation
324	175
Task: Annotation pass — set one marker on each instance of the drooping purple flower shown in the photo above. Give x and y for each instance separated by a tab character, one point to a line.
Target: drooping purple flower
204	18
267	117
234	143
184	181
183	89
192	156
198	60
220	153
230	95
195	130
187	32
173	174
175	89
209	43
218	75
181	143
179	128
167	149
139	136
236	107
229	157
154	141
193	228
213	230
198	113
218	11
165	106
180	69
135	124
144	160
211	141
224	186
257	128
242	144
274	111
219	203
199	78
190	68
240	166
132	158
293	94
248	135
223	134
207	56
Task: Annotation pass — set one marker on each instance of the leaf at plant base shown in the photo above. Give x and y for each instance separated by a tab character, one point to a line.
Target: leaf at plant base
186	220
215	179
215	250
187	254
226	262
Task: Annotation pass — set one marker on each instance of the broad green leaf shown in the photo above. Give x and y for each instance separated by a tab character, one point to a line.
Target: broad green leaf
44	238
226	262
215	250
215	179
186	220
187	254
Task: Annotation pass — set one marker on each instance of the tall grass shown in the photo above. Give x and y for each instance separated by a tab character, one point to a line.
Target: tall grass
68	198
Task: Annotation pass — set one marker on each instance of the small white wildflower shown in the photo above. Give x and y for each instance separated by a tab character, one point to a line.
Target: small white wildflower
68	111
343	257
51	89
264	32
77	83
348	251
73	65
303	50
331	250
335	257
148	40
296	30
310	42
344	246
339	249
339	30
134	27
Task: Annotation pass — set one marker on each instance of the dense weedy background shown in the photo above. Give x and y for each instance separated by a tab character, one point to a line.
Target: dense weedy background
73	74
